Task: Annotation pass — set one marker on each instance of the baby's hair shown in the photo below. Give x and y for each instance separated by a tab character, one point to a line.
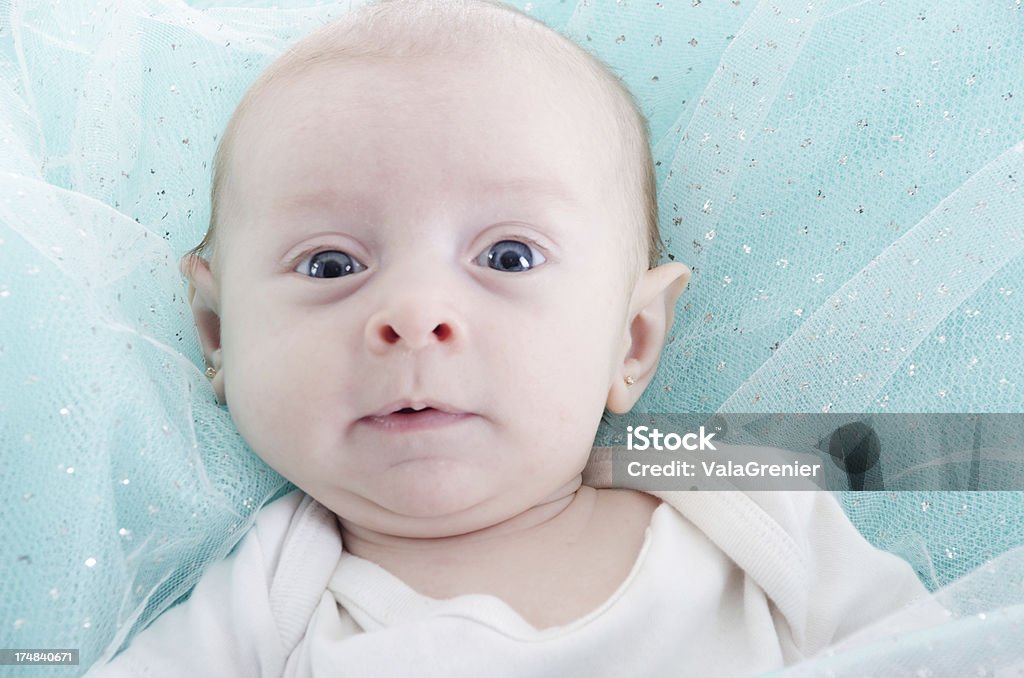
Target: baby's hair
418	28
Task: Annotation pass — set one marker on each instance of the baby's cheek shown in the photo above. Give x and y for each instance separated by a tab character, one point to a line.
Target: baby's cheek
260	394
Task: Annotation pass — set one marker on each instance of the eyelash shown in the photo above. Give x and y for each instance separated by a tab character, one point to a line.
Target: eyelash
308	255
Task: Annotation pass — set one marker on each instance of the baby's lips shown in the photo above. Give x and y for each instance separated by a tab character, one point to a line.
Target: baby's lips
407	420
415	405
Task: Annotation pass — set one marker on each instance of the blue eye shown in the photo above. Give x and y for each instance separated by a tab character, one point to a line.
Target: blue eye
510	256
330	264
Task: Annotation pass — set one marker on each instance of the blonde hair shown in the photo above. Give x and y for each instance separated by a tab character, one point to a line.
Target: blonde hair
417	28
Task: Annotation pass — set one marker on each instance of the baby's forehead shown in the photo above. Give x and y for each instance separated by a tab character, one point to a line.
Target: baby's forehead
515	44
483	81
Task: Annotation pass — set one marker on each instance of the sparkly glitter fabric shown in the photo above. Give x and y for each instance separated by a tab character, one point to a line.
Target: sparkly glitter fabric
844	178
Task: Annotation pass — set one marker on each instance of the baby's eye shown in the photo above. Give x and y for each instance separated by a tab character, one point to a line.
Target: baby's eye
329	264
510	256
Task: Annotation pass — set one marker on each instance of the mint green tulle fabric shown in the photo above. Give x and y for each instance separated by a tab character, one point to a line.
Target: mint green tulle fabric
845	179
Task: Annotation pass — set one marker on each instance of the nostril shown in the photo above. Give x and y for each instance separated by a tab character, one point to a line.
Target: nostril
443	331
388	334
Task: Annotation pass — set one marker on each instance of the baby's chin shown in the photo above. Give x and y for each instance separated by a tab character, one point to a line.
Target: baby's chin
427	521
437	504
442	506
439	510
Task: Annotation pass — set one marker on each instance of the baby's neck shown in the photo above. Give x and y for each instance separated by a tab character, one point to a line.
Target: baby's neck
557	512
552	563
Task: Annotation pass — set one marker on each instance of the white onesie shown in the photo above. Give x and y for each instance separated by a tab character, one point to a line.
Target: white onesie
726	584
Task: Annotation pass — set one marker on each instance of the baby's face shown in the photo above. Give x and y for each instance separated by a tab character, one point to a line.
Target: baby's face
473	261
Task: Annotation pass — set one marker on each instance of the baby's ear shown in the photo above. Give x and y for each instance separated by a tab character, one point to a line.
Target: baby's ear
204	297
651	311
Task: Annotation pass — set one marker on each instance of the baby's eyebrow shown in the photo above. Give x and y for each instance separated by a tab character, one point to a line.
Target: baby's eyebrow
324	198
523	189
532	187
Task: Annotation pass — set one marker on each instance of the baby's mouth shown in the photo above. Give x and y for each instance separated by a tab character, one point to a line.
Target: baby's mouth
416	417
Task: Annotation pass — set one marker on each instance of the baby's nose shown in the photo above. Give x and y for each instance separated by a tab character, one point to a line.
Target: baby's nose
412	327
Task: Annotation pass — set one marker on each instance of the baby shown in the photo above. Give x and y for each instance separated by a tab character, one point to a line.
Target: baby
431	267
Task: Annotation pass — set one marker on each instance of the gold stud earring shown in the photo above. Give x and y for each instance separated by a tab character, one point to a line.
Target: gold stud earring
629	381
211	372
